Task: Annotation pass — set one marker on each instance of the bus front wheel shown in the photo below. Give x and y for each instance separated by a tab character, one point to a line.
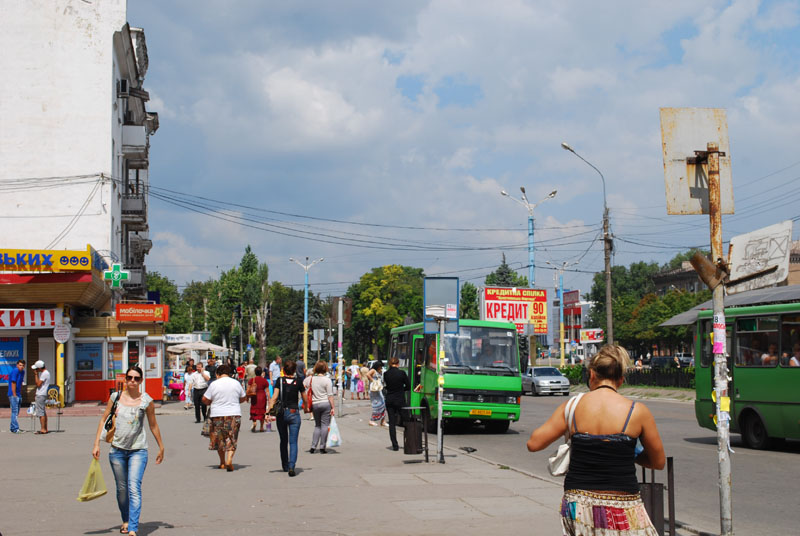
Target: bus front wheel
754	433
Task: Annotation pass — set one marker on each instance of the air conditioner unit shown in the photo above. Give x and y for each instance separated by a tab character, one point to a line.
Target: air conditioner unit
123	89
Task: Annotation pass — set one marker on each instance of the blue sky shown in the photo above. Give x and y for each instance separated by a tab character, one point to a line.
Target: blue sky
373	133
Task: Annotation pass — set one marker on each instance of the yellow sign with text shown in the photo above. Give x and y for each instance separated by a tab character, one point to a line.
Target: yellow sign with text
45	260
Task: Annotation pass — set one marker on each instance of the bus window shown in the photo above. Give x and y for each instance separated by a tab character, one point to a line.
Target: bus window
757	341
790	341
706	356
430	354
419	360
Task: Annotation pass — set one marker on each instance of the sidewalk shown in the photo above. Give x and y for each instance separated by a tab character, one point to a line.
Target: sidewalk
361	488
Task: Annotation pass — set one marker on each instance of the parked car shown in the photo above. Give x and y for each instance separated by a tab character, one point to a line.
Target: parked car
662	362
544	380
686	359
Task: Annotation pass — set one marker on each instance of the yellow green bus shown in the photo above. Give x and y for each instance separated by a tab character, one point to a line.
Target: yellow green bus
481	372
763	344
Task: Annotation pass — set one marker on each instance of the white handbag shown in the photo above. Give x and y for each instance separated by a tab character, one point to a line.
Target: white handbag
558	463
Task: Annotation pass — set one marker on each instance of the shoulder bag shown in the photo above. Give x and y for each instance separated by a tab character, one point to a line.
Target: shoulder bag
308	396
111	421
377	383
277	407
251	388
558	463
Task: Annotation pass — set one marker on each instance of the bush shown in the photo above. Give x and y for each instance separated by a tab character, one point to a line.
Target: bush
574	373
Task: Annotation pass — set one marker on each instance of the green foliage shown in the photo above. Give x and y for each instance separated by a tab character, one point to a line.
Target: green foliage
468	308
178	310
504	276
382	299
574	373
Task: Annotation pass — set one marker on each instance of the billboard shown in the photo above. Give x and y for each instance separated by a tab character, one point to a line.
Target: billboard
522	306
142	312
592	336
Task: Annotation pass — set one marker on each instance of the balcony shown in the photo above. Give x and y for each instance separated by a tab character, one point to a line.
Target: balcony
136	283
134	141
134	212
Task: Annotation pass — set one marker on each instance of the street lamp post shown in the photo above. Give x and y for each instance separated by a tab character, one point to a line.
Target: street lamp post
529	207
561	269
607	247
305	267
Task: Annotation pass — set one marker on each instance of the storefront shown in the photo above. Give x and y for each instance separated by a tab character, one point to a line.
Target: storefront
105	347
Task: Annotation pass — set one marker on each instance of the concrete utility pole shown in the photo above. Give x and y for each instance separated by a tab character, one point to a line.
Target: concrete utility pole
305	267
340	361
720	363
608	246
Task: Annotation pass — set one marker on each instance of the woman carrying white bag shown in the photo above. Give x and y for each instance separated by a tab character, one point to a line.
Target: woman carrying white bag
600	487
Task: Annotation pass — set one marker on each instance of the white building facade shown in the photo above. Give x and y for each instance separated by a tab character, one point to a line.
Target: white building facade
74	143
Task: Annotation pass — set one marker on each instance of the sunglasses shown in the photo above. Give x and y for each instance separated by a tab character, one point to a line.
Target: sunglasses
133	378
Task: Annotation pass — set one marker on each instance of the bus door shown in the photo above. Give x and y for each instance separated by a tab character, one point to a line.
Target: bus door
416	362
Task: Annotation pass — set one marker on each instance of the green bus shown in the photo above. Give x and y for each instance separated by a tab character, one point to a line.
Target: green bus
763	345
481	372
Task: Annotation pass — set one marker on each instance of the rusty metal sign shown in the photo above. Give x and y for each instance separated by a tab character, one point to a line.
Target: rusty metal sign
761	258
685	133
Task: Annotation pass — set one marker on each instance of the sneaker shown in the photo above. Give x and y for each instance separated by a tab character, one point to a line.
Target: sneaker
18	431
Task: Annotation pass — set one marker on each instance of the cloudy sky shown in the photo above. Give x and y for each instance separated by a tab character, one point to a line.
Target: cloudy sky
372	133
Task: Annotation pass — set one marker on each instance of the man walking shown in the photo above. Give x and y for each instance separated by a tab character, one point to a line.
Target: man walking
42	377
15	393
274	373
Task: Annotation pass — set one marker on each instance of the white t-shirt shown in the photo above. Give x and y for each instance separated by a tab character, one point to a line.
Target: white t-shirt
224	394
274	371
45	377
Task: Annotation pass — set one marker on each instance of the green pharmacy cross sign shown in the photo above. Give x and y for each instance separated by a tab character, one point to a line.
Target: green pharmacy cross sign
116	275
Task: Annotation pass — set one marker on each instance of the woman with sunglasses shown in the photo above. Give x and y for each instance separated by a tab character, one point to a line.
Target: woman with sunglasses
128	454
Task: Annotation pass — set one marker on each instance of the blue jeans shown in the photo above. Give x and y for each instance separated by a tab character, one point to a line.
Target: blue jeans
14	412
128	467
289	429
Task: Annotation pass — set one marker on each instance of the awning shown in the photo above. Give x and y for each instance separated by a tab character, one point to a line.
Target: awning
762	296
198	346
85	289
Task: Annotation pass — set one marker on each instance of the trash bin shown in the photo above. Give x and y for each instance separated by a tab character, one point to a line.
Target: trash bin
412	438
653	499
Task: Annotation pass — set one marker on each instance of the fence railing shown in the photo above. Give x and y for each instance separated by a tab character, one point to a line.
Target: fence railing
669	377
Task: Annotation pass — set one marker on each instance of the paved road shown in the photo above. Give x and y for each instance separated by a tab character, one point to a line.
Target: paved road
764	482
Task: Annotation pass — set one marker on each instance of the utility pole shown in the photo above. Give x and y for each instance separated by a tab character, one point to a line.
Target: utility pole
608	246
340	361
205	314
305	267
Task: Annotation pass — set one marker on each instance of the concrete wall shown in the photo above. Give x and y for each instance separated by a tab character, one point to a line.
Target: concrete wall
59	118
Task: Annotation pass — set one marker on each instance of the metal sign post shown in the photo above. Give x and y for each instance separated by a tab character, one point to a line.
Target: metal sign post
694	186
440	301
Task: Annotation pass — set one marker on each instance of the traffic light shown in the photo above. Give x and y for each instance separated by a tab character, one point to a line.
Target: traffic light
237	309
235	340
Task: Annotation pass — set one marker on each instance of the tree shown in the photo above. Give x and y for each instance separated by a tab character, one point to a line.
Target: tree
195	296
178	311
469	302
382	299
504	276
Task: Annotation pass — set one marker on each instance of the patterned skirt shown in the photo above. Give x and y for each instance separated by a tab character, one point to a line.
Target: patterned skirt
378	406
586	513
224	433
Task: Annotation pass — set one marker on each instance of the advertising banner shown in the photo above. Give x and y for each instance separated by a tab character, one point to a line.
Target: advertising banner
49	260
572	296
30	318
114	357
521	306
11	350
88	360
142	312
591	335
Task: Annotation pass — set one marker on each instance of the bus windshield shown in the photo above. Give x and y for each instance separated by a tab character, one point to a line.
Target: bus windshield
481	350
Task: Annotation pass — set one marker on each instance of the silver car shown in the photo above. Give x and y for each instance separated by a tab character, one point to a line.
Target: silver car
544	381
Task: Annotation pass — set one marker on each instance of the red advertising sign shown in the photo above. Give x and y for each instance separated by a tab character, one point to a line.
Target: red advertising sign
518	305
572	296
142	312
29	318
591	335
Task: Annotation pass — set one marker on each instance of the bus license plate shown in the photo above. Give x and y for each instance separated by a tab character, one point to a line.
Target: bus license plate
480	412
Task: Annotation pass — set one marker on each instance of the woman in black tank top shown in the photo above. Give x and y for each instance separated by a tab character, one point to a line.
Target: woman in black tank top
600	487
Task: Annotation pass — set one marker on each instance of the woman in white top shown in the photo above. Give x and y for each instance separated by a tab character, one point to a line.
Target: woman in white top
223	397
128	454
321	389
200	380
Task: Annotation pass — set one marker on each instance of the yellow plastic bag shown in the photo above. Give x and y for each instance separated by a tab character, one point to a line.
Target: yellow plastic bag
94	486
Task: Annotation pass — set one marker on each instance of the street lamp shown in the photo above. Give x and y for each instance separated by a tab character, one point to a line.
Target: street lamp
529	207
305	267
607	246
560	268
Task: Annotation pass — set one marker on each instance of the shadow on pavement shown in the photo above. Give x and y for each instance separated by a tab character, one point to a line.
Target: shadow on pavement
144	528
